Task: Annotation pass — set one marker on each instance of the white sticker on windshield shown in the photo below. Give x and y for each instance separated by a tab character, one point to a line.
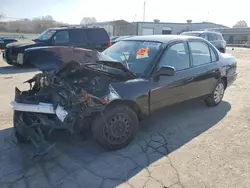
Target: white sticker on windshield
151	44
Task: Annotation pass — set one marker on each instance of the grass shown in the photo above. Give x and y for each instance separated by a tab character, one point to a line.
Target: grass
13	33
10	34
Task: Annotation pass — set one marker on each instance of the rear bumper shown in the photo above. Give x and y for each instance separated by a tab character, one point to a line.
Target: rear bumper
231	79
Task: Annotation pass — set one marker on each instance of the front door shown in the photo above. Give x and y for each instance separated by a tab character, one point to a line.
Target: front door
61	38
173	89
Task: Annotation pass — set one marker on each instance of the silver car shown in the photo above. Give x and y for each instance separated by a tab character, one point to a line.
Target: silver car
213	37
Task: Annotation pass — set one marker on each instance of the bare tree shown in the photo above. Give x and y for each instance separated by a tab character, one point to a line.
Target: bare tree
88	20
1	16
36	25
241	23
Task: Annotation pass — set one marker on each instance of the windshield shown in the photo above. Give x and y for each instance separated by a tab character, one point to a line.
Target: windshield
46	35
191	34
135	55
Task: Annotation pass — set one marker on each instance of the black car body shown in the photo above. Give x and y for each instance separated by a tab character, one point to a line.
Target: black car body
83	37
4	41
118	87
214	37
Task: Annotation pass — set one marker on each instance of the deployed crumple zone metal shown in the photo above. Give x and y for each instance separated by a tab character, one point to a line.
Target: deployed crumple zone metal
66	98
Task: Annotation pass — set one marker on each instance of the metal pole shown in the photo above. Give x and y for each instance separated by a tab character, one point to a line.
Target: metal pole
144	9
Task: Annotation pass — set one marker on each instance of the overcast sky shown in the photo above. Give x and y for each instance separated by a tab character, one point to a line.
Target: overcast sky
72	11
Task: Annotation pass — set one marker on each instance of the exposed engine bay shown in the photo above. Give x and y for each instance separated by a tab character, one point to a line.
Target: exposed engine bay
66	99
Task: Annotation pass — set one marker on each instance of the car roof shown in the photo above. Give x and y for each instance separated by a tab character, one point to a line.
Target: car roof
202	32
68	28
161	38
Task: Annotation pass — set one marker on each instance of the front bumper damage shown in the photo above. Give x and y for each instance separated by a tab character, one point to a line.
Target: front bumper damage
58	102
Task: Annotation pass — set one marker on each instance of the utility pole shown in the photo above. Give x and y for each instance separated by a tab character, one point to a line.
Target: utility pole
144	9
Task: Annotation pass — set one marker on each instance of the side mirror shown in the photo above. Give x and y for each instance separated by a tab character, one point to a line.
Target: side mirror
165	71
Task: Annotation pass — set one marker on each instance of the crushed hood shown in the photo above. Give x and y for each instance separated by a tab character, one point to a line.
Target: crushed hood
57	58
21	44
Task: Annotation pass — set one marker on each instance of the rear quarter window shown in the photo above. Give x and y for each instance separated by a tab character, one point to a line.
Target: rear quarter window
97	35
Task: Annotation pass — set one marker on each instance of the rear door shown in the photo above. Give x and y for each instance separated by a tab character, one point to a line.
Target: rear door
78	38
204	67
98	38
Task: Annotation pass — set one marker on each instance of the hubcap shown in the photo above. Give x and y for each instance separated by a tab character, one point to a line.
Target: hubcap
117	129
219	92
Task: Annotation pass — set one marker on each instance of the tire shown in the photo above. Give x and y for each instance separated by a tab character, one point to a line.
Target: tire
19	137
218	91
117	117
222	50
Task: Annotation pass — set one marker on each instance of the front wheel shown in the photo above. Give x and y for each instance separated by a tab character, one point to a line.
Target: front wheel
216	97
116	127
16	119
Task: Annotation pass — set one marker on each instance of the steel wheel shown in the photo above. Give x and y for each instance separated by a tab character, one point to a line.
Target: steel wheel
117	129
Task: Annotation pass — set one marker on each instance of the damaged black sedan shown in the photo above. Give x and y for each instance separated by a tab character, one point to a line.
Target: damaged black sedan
113	90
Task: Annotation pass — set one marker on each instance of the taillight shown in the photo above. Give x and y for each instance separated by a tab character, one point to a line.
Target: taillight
109	43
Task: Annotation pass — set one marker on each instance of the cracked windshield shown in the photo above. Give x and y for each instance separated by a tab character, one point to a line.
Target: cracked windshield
124	94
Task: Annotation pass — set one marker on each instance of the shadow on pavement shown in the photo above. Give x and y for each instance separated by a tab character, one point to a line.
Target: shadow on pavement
16	70
78	163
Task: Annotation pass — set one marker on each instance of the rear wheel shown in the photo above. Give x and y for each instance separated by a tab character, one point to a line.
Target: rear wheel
222	50
216	97
116	127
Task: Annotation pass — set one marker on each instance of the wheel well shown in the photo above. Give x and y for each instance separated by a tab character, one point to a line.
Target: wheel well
131	104
225	81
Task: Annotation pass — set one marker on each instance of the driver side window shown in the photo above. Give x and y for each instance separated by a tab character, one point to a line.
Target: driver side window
61	37
176	56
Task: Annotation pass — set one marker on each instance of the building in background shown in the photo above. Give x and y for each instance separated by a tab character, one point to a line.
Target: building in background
238	35
122	27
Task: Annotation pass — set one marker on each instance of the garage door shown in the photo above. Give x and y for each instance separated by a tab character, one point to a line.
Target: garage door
147	31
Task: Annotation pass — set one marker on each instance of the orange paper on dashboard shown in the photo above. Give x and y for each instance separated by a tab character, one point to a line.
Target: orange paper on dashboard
142	51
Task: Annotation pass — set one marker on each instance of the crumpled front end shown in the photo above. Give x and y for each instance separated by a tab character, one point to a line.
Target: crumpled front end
62	100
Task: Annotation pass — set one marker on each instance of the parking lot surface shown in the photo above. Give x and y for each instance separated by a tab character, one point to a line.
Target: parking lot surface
188	145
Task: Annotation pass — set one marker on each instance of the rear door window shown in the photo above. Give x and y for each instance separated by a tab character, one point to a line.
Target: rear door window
213	55
200	52
97	36
78	36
